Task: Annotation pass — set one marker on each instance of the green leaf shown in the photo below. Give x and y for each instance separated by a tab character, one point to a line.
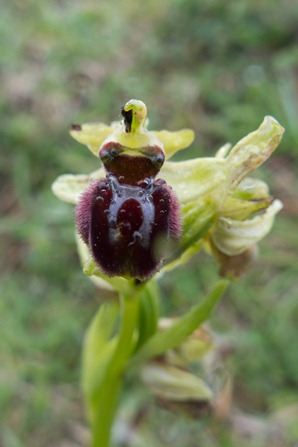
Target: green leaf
178	332
99	346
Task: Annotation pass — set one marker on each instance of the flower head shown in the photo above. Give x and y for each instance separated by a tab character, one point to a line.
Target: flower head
215	197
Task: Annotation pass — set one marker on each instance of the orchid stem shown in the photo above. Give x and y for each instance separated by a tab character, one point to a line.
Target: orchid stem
112	382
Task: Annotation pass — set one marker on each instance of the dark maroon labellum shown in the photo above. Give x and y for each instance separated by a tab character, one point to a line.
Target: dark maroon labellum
128	218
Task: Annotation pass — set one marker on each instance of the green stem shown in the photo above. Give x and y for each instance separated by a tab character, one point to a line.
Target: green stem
111	383
148	312
106	411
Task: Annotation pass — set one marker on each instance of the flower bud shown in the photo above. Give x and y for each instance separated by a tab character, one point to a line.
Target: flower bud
172	383
233	237
192	349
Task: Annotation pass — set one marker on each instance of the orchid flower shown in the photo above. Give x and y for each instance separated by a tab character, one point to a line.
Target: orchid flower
218	198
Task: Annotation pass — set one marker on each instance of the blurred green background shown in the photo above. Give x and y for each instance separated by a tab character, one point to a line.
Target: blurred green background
216	66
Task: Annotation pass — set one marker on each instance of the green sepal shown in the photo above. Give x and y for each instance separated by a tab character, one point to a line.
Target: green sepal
252	150
69	187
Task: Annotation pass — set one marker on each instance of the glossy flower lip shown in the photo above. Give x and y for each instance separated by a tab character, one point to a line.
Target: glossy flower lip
128	228
216	194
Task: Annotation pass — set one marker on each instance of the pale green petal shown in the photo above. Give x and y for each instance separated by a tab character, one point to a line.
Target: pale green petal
92	135
69	188
170	382
253	150
174	141
233	237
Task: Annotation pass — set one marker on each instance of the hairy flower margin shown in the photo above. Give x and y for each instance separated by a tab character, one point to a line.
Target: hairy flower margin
218	198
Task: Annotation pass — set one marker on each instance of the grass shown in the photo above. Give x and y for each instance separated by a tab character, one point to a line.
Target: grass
217	67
